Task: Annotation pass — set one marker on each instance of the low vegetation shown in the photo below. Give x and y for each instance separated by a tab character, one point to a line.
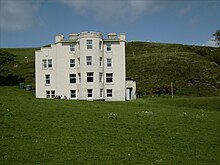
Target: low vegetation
193	70
21	65
154	130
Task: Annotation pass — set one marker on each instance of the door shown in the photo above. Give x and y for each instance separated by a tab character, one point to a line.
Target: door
128	93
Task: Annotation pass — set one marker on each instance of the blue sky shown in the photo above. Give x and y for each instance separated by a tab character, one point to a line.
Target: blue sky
34	23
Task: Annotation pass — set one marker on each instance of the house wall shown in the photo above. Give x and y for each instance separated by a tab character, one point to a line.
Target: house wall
59	74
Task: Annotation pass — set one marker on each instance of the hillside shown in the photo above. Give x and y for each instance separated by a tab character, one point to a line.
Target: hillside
22	65
194	70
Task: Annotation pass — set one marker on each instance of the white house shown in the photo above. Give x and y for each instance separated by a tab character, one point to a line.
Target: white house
85	66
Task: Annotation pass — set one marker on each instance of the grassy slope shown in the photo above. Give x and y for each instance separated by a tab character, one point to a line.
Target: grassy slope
154	64
25	66
39	131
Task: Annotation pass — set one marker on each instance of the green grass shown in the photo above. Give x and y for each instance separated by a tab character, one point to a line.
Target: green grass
146	131
156	64
152	65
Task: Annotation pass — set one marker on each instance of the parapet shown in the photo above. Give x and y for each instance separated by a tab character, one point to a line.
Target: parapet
73	36
90	35
76	36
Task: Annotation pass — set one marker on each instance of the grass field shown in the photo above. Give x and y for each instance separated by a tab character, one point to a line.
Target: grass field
146	131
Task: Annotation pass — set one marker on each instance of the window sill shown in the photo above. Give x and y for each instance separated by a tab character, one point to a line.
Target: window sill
110	83
47	68
72	84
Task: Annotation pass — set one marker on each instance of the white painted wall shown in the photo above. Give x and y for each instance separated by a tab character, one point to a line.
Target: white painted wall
60	54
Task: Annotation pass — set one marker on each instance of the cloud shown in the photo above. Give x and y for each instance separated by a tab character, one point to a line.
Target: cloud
185	10
115	10
211	42
138	7
193	21
16	15
110	10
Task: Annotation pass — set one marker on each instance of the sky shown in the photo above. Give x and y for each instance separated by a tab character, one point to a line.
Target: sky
34	23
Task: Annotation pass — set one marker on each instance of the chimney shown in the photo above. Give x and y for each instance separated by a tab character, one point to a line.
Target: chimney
112	36
59	38
122	36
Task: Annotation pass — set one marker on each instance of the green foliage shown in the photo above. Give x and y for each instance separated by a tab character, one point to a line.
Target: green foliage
217	36
5	58
146	131
6	75
155	64
23	65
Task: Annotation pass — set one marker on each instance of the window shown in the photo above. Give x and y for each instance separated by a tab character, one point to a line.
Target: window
109	77
89	76
78	45
50	94
101	93
88	60
47	63
100	76
79	75
72	93
109	92
100	61
72	78
44	63
109	62
78	61
72	63
100	45
89	92
89	44
47	79
72	47
50	63
108	47
47	94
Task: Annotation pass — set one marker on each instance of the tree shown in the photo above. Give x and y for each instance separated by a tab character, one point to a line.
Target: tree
5	58
217	36
6	76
